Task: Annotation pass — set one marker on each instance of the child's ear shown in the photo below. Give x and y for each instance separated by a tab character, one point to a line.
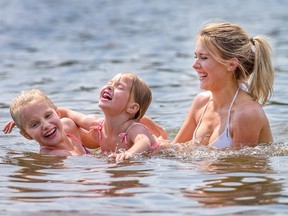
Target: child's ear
133	108
233	64
26	135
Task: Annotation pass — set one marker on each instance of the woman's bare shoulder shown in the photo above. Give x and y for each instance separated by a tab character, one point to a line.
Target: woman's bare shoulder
249	110
201	99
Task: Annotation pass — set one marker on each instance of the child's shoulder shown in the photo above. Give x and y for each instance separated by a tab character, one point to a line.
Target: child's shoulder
67	122
138	128
69	126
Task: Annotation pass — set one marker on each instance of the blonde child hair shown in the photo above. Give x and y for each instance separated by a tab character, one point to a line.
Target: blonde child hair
26	97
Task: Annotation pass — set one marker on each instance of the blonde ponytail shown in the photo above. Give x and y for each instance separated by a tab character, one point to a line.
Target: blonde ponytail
262	77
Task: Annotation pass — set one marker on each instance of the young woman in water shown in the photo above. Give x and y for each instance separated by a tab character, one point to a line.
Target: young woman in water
236	72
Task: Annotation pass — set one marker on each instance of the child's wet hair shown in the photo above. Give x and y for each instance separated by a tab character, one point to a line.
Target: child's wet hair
140	92
26	97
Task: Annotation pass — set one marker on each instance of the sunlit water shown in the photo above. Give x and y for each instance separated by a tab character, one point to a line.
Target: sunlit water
71	48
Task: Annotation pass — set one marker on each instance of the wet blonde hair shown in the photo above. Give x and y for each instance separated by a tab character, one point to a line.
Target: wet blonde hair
225	41
140	92
25	98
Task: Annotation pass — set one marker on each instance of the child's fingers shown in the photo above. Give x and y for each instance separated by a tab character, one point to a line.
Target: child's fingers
8	127
112	155
120	156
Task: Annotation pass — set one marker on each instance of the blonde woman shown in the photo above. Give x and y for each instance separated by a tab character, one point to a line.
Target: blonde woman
236	72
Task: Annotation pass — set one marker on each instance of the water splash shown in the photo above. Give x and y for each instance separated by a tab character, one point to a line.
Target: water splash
187	152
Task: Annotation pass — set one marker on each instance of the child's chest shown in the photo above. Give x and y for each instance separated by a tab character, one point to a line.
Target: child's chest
113	144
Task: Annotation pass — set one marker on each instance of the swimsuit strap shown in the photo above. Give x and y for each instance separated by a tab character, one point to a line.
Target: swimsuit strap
74	137
57	148
123	135
228	120
229	112
79	141
50	148
98	129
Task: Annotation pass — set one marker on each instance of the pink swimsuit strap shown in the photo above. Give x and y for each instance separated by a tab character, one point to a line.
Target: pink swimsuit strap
72	137
123	136
98	129
79	141
50	148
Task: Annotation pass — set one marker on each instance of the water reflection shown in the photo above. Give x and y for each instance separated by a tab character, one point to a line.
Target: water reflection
124	180
242	180
63	180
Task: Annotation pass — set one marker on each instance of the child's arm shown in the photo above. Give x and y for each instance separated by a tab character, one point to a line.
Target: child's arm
82	120
85	136
88	139
154	128
142	141
87	121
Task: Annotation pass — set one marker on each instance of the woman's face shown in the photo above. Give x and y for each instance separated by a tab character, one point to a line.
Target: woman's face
212	74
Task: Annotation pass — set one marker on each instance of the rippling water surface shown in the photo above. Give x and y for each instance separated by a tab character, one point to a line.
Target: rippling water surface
71	48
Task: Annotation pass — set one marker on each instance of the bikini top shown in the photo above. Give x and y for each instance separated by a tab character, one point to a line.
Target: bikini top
72	137
225	139
123	136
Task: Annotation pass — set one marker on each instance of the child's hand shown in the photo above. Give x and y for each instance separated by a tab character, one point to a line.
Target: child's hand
121	156
163	144
9	126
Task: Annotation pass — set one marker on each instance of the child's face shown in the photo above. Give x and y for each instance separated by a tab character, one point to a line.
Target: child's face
116	93
42	123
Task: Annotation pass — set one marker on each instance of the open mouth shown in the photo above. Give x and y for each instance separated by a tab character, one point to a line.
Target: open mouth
106	96
50	133
202	75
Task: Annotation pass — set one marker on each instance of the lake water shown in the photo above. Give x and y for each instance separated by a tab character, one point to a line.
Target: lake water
71	48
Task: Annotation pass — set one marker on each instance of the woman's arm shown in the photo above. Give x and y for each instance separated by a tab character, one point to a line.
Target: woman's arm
250	127
186	131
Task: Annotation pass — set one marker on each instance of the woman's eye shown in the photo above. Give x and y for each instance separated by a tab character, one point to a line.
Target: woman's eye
203	57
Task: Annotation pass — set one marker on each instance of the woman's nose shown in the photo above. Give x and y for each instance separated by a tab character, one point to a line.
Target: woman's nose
195	64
